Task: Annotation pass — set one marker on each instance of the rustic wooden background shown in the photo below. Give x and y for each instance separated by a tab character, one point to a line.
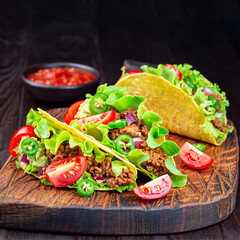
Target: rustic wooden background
104	33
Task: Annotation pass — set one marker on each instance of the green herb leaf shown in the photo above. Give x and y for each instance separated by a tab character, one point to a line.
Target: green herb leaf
179	180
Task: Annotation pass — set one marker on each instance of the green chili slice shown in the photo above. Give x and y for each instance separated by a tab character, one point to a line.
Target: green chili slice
98	103
85	187
192	85
118	123
215	104
29	146
201	147
124	144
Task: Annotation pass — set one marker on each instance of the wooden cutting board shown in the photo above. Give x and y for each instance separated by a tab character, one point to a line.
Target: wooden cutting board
208	198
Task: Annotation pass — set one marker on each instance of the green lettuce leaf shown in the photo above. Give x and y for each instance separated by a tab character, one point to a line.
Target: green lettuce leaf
137	157
45	129
161	70
179	180
155	133
46	182
121	102
104	186
117	167
196	78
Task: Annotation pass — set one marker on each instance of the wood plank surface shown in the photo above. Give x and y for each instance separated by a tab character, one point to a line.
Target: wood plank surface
203	33
208	198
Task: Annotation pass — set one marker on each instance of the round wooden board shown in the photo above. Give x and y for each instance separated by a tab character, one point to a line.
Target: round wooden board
208	198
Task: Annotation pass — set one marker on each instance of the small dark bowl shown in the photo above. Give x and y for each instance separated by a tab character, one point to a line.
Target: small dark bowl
60	94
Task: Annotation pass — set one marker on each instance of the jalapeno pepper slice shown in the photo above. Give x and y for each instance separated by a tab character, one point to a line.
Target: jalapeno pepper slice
201	147
98	103
85	187
216	104
29	146
124	144
192	85
118	123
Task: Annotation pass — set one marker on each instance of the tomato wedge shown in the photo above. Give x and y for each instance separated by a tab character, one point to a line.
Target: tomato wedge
66	171
27	130
132	72
178	73
194	158
104	118
72	111
154	189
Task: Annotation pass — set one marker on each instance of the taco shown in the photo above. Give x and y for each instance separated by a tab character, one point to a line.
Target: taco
122	123
188	103
61	156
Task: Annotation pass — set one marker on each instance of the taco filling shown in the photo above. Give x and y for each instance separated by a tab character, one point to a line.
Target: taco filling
99	171
121	122
189	104
60	156
139	131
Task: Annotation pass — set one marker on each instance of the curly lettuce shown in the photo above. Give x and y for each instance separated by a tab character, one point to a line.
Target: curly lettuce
193	83
119	100
52	136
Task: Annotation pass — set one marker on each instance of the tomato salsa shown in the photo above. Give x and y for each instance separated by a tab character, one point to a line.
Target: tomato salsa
61	76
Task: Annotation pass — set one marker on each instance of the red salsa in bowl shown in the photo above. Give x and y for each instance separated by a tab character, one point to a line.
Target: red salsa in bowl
67	76
60	82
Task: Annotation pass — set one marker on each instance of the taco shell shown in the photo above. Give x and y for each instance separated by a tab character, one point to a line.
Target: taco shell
180	113
89	138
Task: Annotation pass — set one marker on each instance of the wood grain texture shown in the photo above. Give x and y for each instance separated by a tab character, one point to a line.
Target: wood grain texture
152	31
208	198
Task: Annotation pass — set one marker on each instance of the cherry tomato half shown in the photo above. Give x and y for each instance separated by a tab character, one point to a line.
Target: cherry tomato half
194	158
154	189
72	111
104	118
178	73
131	72
66	171
27	130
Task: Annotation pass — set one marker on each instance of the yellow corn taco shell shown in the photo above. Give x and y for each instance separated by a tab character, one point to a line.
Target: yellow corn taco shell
89	138
180	114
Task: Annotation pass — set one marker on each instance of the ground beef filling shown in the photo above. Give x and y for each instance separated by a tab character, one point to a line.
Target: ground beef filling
223	127
96	169
139	129
104	169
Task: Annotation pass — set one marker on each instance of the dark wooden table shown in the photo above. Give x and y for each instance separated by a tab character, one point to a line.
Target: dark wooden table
104	33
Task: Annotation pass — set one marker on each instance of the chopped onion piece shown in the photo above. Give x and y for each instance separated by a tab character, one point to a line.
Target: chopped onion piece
130	118
40	171
138	142
24	159
208	90
219	115
100	179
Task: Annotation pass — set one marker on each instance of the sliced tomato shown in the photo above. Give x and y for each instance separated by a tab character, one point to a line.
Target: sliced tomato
66	171
27	130
104	118
72	111
131	72
154	189
194	158
178	73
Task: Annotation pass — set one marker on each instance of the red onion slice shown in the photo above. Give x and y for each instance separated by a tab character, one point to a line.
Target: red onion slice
208	90
40	171
138	142
24	159
130	118
219	115
100	179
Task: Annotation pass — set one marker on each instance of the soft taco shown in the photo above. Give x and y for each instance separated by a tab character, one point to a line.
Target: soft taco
122	123
188	103
62	156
